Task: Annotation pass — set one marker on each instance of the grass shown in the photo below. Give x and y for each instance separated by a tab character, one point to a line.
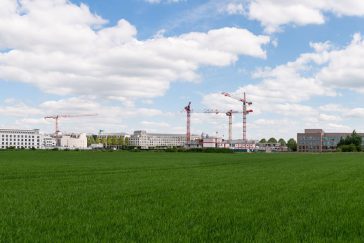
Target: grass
180	197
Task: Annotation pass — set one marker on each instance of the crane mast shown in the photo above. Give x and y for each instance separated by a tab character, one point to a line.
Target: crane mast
56	121
245	111
229	114
188	133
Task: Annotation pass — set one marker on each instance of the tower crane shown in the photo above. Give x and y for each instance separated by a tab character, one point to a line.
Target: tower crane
228	114
57	117
245	110
188	133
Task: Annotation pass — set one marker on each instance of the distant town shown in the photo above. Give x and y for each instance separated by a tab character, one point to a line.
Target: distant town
311	140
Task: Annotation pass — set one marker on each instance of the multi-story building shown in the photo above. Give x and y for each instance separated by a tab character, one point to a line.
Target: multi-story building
212	142
310	141
271	147
49	142
316	140
74	141
113	135
16	138
145	140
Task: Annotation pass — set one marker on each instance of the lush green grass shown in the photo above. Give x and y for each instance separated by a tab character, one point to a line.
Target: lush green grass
180	197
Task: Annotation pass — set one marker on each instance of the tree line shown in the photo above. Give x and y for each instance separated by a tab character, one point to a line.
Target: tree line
108	141
352	143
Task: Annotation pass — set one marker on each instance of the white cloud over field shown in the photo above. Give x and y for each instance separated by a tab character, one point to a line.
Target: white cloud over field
65	49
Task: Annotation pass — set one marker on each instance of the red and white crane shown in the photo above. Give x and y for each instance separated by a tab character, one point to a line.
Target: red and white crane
57	117
188	133
228	114
245	110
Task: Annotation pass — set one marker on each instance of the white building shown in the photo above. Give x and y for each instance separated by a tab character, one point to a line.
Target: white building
243	145
16	138
115	135
271	147
212	142
146	140
49	142
74	141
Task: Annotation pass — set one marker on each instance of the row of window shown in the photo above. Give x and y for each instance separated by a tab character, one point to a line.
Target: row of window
18	147
11	139
13	143
18	136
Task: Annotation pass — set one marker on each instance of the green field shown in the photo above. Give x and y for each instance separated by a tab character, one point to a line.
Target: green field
180	197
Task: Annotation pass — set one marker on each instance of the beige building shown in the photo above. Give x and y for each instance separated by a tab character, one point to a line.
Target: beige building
74	141
145	140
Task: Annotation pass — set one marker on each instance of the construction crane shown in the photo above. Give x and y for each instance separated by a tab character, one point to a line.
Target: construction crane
57	117
228	114
188	133
245	110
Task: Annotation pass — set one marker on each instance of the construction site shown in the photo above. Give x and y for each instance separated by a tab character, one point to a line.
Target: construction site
216	142
140	139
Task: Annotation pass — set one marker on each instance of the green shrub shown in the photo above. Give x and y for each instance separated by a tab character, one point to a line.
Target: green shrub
348	148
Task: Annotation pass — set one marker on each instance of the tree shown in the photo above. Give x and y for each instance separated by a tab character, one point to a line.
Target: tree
282	142
263	140
109	141
121	141
114	141
352	143
103	141
90	140
272	140
126	142
292	145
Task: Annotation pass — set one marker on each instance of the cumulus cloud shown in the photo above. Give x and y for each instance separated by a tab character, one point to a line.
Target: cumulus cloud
234	8
64	49
319	73
286	90
273	14
110	117
345	66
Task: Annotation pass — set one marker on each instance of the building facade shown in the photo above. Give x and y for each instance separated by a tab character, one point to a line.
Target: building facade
49	142
316	140
16	138
145	140
271	147
74	141
114	135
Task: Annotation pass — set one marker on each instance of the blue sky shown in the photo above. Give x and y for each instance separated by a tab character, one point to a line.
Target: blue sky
137	63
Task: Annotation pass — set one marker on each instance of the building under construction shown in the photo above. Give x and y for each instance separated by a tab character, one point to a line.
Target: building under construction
242	144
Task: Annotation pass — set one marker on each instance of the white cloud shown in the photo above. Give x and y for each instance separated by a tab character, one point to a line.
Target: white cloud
234	8
283	92
354	113
345	66
64	49
110	117
15	108
321	46
273	14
